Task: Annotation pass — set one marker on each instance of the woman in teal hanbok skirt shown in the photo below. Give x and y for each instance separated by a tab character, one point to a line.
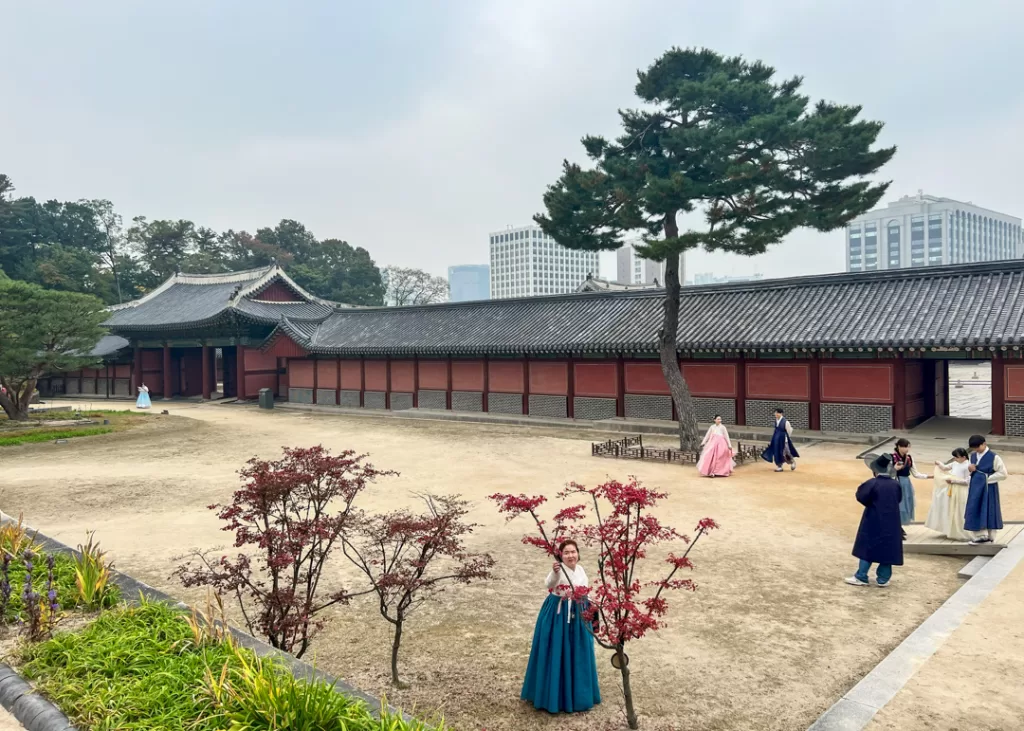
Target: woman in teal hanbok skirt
561	676
143	401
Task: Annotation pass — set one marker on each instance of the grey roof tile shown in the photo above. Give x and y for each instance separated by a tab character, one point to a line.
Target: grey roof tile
953	306
192	300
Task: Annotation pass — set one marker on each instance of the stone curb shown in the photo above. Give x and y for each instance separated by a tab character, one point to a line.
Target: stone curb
855	710
132	588
34	711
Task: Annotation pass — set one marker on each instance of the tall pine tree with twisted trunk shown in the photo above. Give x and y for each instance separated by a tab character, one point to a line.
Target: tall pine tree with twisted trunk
720	138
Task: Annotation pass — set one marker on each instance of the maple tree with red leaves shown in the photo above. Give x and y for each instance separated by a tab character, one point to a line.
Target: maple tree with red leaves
620	606
409	559
290	513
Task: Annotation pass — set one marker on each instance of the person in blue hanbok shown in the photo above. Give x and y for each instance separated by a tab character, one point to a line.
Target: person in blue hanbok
780	450
878	537
143	401
903	469
984	517
561	675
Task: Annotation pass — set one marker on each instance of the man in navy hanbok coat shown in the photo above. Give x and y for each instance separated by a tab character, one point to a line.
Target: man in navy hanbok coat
880	535
781	450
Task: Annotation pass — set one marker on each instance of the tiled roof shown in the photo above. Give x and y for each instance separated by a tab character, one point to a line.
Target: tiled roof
191	300
950	306
108	346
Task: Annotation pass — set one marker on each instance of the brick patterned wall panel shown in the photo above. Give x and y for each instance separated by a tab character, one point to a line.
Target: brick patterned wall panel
326	396
102	385
436	400
858	418
1014	420
89	386
707	408
762	413
349	399
551	406
300	395
74	386
587	407
375	400
648	407
467	401
401	401
505	403
121	387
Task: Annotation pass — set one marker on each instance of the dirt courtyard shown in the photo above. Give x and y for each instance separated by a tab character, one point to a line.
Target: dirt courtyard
771	638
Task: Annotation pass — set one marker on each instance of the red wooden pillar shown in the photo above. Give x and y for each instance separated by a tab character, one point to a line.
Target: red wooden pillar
362	381
337	391
570	396
945	388
620	388
316	376
415	381
487	386
899	393
207	379
998	394
168	383
815	388
526	386
387	381
240	372
741	391
448	381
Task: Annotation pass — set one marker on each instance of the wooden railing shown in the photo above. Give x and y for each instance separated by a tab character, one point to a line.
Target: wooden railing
633	448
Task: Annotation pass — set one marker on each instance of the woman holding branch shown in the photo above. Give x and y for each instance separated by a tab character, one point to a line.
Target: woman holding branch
561	675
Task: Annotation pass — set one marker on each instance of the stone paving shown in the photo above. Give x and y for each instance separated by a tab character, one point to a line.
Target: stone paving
974	399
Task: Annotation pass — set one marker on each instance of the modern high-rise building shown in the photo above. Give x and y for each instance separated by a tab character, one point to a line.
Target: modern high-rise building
923	230
631	268
525	262
469	282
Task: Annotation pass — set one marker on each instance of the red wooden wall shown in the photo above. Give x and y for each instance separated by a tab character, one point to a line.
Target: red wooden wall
812	381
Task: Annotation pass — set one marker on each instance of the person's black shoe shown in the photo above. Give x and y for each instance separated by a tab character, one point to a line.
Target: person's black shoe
904	534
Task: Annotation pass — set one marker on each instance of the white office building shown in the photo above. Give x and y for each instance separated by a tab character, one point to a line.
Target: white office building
525	263
923	230
631	268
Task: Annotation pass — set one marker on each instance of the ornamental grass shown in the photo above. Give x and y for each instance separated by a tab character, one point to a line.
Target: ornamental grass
147	667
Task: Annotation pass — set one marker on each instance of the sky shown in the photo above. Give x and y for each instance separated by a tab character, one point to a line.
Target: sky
415	128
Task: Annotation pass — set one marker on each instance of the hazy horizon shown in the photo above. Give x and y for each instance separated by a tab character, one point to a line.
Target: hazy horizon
414	130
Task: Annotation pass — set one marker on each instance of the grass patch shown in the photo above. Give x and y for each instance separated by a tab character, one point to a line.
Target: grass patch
146	667
63	579
34	436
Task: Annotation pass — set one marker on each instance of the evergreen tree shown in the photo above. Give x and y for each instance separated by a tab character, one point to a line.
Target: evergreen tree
722	138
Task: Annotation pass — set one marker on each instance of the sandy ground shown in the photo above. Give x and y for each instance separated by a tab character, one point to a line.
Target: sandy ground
9	722
974	680
769	641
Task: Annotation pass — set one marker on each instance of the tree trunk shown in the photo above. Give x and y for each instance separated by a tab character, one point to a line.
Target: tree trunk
395	642
627	691
689	438
16	405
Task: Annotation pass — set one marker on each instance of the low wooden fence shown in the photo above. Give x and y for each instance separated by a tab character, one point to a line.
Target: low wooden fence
633	448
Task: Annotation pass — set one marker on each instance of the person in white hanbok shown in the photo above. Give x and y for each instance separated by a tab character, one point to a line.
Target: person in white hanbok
949	501
716	457
143	402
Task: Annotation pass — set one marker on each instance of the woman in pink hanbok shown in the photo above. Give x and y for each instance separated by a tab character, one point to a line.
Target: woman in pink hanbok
716	452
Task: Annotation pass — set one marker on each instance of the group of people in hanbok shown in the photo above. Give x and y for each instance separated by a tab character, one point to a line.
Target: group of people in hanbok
965	504
717	458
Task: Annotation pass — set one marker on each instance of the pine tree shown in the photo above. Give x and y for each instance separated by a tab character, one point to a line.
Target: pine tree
719	137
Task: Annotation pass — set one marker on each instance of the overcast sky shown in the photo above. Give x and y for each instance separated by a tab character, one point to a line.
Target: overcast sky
413	128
